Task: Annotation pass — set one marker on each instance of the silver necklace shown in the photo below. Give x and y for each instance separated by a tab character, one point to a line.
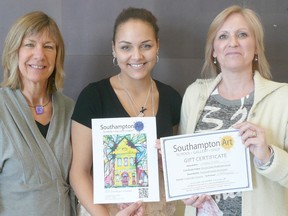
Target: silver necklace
132	102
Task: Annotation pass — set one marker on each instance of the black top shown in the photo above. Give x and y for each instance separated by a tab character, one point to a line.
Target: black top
43	128
98	100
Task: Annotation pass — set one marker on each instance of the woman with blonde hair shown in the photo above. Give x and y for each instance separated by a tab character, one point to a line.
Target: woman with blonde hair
35	118
237	91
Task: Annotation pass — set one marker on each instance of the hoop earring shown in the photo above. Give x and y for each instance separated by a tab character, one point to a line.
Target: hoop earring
215	60
114	61
157	59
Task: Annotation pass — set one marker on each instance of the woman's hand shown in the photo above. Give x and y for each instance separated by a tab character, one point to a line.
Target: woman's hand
158	147
197	201
134	209
122	206
253	137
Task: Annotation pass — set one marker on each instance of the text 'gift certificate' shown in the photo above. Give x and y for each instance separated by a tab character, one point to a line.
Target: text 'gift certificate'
125	160
205	163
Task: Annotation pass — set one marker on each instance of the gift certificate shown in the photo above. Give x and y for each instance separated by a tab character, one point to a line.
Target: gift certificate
205	163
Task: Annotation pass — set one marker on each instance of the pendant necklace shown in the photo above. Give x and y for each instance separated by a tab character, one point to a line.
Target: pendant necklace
39	109
132	102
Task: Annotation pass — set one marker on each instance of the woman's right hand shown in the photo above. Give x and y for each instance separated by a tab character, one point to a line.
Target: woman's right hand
197	201
135	209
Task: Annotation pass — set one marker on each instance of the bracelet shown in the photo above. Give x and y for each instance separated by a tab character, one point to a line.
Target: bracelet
262	166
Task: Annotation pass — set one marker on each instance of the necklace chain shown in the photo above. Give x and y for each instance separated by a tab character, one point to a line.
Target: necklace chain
132	102
40	105
39	109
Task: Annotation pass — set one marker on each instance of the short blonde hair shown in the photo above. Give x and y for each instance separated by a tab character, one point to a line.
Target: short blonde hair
35	22
211	70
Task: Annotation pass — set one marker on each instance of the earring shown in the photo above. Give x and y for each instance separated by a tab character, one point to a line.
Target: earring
256	58
157	59
215	60
114	61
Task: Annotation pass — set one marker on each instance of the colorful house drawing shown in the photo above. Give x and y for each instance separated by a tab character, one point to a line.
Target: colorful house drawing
125	167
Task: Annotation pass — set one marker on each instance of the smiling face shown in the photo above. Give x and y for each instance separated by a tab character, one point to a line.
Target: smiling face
234	45
135	48
37	56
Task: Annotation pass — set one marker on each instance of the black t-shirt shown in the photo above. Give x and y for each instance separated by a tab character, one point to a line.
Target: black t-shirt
98	100
43	128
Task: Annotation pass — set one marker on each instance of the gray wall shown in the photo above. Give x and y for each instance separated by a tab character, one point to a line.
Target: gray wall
87	29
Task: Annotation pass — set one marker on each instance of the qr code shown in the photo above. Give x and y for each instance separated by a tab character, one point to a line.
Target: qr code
143	192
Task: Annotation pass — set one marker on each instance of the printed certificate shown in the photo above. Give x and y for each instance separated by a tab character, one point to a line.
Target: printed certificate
125	160
205	163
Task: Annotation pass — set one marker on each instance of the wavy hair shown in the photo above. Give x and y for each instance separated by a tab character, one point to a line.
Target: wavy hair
33	23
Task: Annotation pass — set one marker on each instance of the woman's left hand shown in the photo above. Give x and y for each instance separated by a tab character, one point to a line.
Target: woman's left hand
158	147
122	206
131	209
253	137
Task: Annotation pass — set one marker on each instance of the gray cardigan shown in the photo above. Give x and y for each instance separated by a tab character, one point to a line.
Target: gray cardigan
34	170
